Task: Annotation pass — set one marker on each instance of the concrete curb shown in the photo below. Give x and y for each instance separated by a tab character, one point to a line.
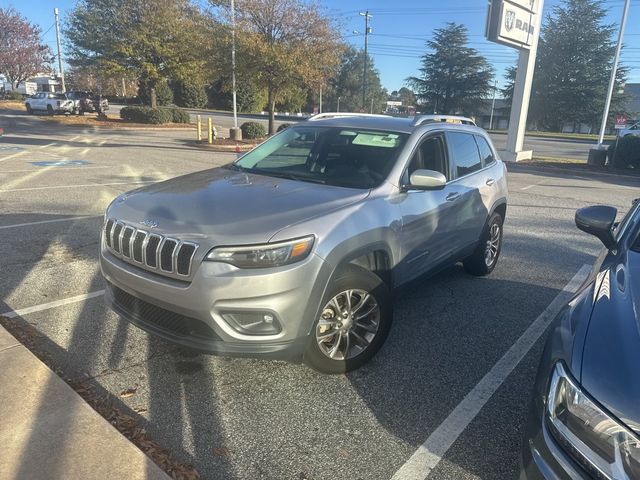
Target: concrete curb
572	168
48	431
224	148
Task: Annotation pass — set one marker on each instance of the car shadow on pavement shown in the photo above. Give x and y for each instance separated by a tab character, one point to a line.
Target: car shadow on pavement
92	349
448	333
243	418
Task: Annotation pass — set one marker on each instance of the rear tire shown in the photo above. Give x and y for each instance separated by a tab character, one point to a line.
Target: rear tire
353	324
485	258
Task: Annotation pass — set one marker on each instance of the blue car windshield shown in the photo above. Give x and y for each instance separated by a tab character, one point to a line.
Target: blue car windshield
334	156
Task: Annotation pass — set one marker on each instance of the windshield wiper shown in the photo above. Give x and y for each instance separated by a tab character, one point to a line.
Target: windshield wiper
288	176
236	167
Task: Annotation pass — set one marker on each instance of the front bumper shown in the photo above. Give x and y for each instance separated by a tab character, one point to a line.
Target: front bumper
543	459
65	109
191	313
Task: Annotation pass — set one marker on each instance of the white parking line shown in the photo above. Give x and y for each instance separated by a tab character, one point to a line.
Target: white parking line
67	219
47	306
429	454
13	155
532	185
77	186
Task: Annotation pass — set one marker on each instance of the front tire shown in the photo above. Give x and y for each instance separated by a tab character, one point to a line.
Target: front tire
49	109
29	109
485	258
354	322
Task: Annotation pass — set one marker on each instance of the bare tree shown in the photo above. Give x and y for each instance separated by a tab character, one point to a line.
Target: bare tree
22	53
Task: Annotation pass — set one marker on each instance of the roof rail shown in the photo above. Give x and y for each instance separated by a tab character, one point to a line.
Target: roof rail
424	119
323	116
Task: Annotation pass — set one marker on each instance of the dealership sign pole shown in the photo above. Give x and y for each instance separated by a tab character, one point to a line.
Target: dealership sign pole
516	24
614	70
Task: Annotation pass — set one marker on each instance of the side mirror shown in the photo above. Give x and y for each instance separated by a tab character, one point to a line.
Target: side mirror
598	220
426	180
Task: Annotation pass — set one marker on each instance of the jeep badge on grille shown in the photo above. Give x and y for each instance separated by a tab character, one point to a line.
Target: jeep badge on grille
149	223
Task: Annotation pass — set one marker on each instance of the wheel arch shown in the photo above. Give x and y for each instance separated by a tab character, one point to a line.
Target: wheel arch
500	206
375	257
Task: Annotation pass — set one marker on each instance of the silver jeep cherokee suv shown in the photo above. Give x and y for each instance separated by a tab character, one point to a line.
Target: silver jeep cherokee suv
293	250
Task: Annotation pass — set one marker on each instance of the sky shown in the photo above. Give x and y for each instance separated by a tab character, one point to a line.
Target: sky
399	30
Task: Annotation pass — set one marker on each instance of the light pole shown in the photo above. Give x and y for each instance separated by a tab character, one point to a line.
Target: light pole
614	69
338	109
235	134
55	13
367	31
493	104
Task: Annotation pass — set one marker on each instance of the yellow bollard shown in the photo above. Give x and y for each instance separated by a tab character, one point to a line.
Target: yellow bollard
199	129
210	131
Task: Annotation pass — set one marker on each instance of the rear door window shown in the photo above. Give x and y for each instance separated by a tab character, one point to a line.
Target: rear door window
485	150
466	157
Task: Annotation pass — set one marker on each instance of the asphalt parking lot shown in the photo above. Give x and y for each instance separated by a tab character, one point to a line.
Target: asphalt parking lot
244	418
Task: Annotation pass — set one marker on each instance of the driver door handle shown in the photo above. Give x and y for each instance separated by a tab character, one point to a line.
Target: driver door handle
490	182
452	196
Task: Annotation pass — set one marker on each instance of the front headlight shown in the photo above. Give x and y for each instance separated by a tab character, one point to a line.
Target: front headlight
262	256
600	444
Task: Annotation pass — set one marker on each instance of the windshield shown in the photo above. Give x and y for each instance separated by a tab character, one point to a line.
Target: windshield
334	156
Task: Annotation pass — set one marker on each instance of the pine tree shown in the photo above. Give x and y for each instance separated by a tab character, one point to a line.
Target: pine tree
455	77
575	57
347	85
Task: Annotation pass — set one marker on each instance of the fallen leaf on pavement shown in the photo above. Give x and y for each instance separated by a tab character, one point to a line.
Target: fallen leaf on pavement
129	392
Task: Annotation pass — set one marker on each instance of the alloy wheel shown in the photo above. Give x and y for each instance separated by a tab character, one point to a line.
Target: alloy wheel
493	245
348	324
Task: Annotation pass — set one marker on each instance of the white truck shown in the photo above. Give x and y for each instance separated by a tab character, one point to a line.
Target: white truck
51	103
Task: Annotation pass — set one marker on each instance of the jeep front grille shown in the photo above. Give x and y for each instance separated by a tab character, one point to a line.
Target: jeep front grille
155	252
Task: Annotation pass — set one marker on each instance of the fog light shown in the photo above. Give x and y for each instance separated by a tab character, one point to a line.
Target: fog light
253	323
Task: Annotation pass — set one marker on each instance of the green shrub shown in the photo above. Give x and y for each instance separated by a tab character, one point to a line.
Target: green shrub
14	95
189	95
133	114
252	130
177	115
283	126
627	153
249	98
146	115
164	94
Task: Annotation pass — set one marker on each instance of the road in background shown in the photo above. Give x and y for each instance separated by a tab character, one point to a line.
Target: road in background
246	418
546	147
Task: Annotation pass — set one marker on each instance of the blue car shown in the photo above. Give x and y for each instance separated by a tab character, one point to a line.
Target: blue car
584	418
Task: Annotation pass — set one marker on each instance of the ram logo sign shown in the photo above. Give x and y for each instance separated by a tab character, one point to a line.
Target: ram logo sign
509	20
513	22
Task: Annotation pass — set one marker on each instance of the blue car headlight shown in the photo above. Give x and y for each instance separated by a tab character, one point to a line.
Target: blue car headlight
604	447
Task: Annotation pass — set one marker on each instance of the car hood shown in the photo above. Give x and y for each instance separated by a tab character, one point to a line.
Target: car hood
611	358
228	207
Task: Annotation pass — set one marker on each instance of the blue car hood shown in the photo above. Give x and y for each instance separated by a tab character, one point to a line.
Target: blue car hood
610	369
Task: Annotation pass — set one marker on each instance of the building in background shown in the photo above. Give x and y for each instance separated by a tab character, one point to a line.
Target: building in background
632	90
501	112
39	83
